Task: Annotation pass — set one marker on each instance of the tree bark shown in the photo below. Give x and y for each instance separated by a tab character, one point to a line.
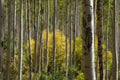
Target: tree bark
36	39
20	41
74	32
66	39
106	68
88	40
1	37
47	38
71	55
14	25
100	36
29	47
115	41
54	37
9	38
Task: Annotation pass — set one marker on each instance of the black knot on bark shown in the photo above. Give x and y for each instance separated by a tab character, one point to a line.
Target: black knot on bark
2	44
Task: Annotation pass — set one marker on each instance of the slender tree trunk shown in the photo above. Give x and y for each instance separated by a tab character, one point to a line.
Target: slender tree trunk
54	37
9	38
66	38
119	43
20	41
29	49
88	40
47	39
100	36
39	20
96	66
14	25
41	42
106	68
115	41
38	27
25	32
74	31
36	39
70	40
1	36
44	21
70	33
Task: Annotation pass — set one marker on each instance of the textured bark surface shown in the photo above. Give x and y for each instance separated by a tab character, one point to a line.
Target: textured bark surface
9	37
1	36
100	37
115	41
88	40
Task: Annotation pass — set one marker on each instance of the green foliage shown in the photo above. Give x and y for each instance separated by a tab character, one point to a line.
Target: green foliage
58	76
80	76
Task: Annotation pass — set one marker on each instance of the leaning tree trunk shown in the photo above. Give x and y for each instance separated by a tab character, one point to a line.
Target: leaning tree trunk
100	36
115	41
88	40
1	36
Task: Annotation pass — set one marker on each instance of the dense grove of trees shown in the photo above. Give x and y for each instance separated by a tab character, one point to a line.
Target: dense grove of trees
59	40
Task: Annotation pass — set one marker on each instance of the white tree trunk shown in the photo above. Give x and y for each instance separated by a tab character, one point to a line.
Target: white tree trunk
115	41
20	41
88	40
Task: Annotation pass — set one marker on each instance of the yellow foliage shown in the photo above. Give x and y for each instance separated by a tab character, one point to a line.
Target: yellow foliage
109	58
80	76
60	48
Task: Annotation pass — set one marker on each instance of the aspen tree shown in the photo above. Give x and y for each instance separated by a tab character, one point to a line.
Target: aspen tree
88	39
